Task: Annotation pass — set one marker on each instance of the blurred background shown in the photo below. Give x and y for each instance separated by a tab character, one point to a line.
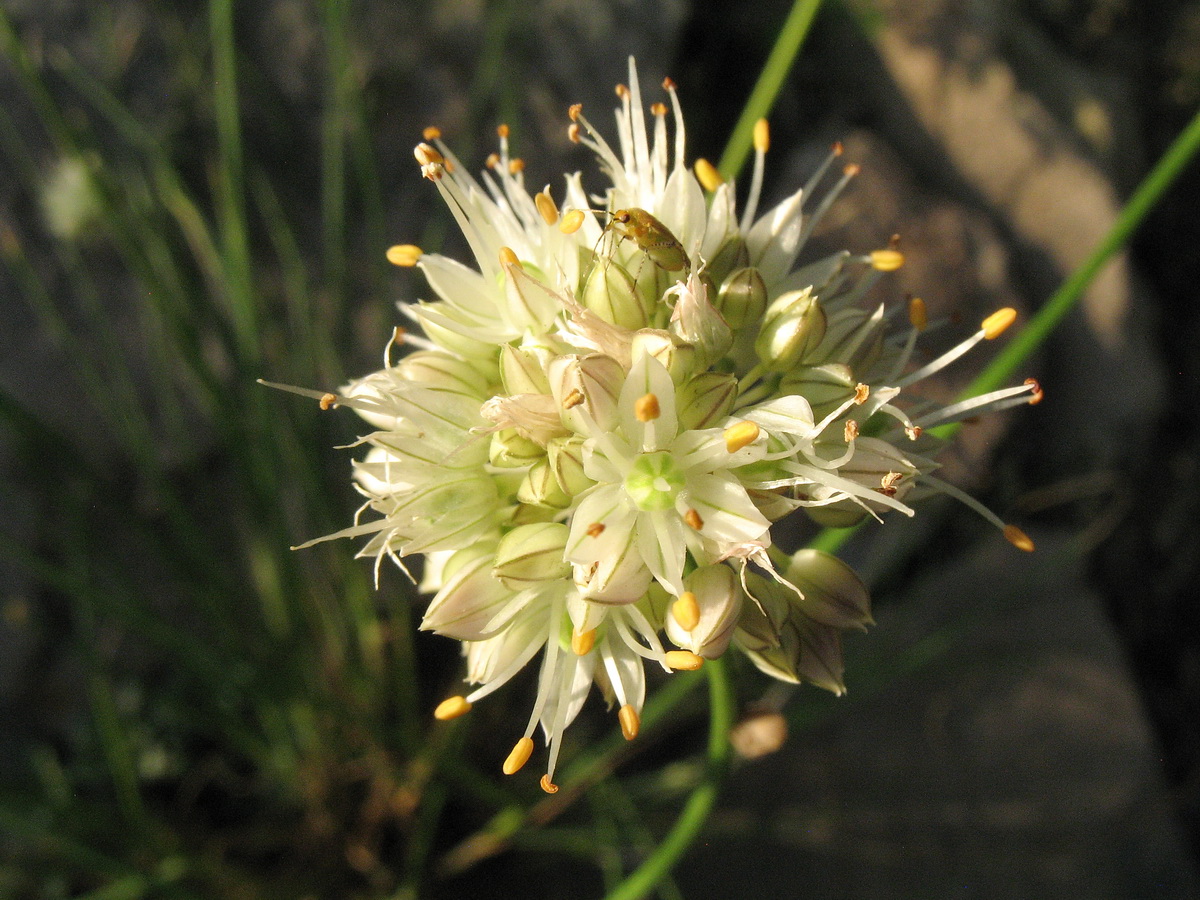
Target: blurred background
193	196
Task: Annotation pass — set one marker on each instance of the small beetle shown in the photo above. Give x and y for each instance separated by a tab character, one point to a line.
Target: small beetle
652	237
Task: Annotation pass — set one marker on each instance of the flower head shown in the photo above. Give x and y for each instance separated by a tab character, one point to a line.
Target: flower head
607	413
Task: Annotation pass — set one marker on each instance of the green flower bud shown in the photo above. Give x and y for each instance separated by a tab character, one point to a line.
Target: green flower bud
731	255
677	357
565	456
509	450
530	554
742	299
443	372
833	594
611	293
523	369
853	338
541	488
793	326
705	400
825	387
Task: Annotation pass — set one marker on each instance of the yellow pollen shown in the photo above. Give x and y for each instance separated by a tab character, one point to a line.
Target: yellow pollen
918	317
693	519
1036	397
432	133
508	257
630	721
520	754
582	642
913	431
621	91
545	207
837	149
762	136
995	324
502	130
886	260
328	401
739	435
493	160
573	399
574	110
404	255
861	393
571	221
1018	538
668	83
426	154
646	408
708	176
595	529
851	170
686	611
658	109
452	708
851	431
516	166
547	785
684	660
573	133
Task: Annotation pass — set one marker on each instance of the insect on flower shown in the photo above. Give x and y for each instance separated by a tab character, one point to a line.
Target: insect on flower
651	236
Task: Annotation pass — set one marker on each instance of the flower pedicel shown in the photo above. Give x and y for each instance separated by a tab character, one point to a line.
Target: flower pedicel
601	422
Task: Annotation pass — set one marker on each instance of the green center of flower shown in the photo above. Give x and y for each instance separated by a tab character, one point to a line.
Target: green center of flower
654	480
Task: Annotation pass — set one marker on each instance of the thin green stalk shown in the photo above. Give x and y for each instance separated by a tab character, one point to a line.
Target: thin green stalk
333	151
695	812
1168	168
766	90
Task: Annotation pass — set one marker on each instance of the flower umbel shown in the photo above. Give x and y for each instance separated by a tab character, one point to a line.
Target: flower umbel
606	414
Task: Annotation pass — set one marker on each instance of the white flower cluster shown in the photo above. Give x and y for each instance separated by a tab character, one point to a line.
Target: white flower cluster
592	439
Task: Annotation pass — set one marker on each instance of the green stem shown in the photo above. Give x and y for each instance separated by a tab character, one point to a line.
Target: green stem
695	812
766	90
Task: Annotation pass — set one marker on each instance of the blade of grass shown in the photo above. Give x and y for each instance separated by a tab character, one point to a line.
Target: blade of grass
766	89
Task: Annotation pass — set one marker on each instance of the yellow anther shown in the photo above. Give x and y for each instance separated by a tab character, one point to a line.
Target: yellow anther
686	611
493	160
404	255
502	130
888	483
708	176
861	393
452	708
668	83
573	133
574	110
837	149
996	324
685	660
432	133
573	399
851	431
426	154
739	435
582	642
519	755
595	529
1018	538
516	166
762	136
1036	394
886	260
571	221
508	257
658	109
546	207
646	408
630	721
328	401
693	519
547	785
918	317
621	91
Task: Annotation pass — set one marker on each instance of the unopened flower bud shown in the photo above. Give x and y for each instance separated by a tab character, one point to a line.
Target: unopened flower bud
509	450
565	456
793	327
833	594
730	256
532	553
825	387
443	373
611	293
719	600
677	357
541	488
705	400
742	298
523	369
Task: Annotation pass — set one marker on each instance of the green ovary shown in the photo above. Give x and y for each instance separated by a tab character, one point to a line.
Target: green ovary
653	481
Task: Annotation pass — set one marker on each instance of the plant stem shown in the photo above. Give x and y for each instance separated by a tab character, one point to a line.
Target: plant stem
695	812
766	90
